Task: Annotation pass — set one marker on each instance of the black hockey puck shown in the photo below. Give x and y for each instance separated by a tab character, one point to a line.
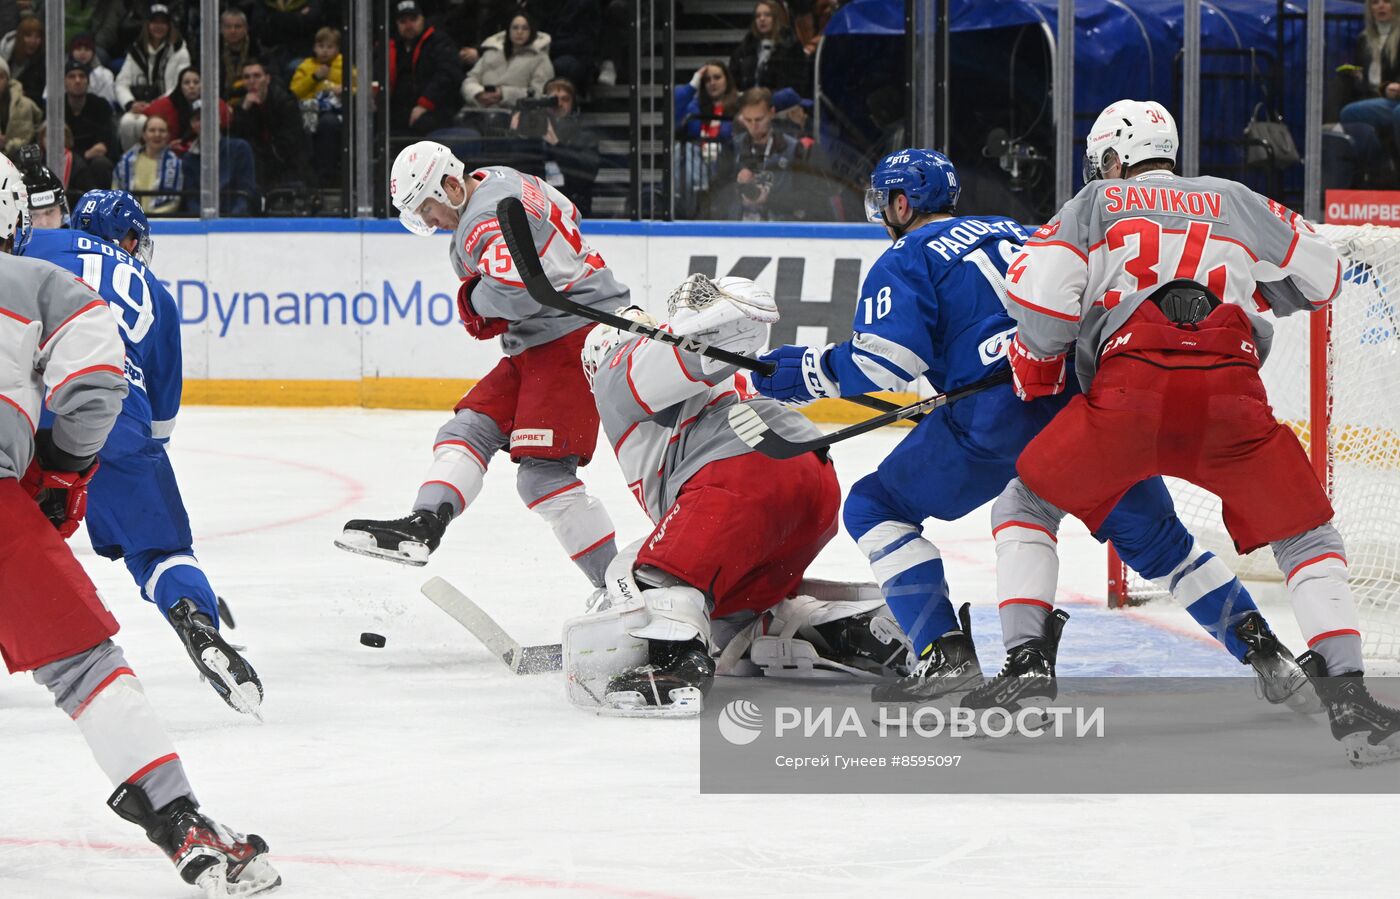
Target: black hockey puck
375	640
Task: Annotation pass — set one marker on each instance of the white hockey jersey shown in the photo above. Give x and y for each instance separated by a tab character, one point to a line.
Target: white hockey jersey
58	347
573	267
1082	276
667	417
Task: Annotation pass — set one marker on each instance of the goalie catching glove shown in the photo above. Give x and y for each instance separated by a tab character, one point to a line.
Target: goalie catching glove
730	314
58	482
1034	376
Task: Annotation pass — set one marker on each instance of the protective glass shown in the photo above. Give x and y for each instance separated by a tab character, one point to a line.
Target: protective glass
875	203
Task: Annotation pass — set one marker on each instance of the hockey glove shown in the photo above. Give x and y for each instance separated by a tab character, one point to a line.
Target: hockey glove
1035	376
58	482
478	326
801	376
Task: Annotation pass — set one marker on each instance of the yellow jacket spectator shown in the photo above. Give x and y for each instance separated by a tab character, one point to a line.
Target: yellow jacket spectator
321	71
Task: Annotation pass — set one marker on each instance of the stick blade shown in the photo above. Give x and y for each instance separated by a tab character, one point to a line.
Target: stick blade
515	228
472	617
750	427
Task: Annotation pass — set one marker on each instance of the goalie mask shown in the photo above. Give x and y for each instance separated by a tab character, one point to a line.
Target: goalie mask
1129	132
597	347
417	176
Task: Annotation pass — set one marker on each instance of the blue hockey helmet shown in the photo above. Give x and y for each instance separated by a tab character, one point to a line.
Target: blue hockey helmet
114	215
927	179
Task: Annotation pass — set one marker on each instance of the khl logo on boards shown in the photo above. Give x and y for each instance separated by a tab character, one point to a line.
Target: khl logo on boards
740	722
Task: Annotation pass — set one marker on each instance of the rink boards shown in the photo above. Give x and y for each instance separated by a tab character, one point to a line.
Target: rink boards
297	312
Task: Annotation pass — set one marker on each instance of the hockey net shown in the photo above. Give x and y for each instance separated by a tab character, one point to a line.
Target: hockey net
1334	377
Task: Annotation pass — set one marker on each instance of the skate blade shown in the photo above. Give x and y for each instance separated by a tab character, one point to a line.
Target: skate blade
1034	722
360	543
245	698
257	877
890	694
1362	754
686	702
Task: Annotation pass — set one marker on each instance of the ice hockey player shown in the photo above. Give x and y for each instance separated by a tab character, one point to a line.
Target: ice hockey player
535	403
48	201
734	530
1155	282
61	345
933	306
135	511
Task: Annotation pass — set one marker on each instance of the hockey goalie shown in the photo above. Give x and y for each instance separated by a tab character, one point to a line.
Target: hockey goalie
715	581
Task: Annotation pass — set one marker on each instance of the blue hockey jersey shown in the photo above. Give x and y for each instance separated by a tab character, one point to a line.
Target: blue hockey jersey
933	305
147	317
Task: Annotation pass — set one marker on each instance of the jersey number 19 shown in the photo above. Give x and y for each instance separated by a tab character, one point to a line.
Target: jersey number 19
126	285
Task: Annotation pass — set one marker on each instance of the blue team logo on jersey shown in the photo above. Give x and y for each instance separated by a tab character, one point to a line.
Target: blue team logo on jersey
996	347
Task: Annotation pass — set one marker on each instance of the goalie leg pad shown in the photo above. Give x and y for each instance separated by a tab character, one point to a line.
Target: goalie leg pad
791	639
598	647
1314	564
675	614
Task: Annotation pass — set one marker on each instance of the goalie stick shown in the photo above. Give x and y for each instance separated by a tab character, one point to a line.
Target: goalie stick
515	228
520	659
753	430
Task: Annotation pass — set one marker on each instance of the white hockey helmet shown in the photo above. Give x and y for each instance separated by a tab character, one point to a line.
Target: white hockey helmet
417	176
597	347
14	206
1135	131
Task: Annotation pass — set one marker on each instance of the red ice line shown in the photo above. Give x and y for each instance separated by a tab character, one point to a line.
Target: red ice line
514	880
353	492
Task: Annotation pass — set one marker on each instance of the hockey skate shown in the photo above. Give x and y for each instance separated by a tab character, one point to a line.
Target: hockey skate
408	541
1368	731
951	666
869	642
218	662
1277	675
206	854
1028	677
671	685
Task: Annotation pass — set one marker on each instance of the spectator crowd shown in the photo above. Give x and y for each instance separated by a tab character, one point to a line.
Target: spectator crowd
500	81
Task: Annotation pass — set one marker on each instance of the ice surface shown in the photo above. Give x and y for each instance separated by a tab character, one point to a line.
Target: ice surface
426	769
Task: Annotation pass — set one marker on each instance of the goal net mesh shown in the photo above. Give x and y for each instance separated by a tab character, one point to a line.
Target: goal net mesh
1361	376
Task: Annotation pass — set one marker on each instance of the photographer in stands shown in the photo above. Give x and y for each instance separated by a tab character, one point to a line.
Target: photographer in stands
754	180
555	145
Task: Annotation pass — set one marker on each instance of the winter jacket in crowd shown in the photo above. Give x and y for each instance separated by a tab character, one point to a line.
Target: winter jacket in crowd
525	73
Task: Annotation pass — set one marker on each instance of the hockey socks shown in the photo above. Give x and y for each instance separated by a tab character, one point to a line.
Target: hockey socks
910	574
100	692
166	579
1028	569
1210	592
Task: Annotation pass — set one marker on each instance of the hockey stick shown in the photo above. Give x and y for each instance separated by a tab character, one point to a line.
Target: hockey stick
753	430
515	228
520	659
